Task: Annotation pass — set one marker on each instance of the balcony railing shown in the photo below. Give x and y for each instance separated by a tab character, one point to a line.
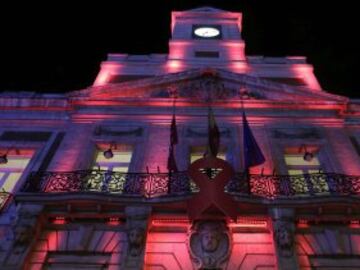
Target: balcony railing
160	184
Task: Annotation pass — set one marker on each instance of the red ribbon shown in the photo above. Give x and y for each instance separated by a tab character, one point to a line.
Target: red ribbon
211	190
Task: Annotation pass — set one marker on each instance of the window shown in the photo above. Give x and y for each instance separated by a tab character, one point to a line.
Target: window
207	54
120	161
12	170
197	152
297	165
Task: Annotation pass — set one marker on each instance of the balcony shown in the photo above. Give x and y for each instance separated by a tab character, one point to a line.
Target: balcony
151	185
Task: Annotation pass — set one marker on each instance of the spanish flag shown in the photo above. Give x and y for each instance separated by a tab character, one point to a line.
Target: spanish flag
213	135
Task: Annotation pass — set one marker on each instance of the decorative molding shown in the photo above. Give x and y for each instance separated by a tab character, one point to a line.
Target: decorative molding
99	131
209	244
24	228
21	234
156	87
303	133
284	237
137	220
25	136
201	133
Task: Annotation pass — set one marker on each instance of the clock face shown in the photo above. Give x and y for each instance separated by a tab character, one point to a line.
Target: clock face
207	32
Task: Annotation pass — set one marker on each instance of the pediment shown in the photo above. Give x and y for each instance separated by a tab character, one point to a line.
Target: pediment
205	84
206	9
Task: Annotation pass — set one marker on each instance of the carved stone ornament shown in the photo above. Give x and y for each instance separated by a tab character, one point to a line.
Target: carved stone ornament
284	238
23	230
136	238
209	244
136	229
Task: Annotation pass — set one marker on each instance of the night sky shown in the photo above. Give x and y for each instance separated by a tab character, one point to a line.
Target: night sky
58	46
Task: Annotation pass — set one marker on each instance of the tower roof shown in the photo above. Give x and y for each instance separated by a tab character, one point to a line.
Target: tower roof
206	9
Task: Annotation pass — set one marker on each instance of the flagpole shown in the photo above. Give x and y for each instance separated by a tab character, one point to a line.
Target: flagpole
174	103
208	149
172	167
242	110
252	154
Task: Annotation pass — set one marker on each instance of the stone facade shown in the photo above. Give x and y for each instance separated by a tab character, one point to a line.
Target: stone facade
66	212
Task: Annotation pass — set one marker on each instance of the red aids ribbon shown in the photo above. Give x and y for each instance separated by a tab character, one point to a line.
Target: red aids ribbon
211	189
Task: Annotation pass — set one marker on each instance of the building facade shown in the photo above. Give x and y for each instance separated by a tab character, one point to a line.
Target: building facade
85	181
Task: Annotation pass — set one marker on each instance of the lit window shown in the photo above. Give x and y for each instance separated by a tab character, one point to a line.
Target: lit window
12	170
296	165
197	152
119	162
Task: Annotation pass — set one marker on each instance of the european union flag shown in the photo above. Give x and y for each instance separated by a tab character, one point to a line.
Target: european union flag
252	152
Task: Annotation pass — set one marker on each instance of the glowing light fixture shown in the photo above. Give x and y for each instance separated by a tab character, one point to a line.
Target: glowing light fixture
59	220
108	154
113	221
4	158
249	223
308	156
303	223
354	224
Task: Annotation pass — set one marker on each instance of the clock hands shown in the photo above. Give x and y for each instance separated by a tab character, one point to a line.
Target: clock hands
207	32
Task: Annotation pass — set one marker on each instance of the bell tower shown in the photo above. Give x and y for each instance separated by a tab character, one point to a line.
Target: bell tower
206	35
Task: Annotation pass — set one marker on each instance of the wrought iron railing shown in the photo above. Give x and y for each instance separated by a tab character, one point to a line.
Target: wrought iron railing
137	184
161	184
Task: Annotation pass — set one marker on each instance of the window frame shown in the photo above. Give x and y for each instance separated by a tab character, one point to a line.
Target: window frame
40	148
278	150
231	145
99	150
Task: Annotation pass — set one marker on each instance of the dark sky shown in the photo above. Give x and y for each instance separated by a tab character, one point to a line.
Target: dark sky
57	46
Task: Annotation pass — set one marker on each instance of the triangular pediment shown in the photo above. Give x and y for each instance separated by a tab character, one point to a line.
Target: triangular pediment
202	84
206	9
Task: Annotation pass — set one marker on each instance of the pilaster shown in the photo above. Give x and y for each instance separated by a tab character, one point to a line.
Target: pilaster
21	236
137	223
284	238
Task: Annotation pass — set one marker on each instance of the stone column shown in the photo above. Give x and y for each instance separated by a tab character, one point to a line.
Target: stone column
137	220
284	238
21	236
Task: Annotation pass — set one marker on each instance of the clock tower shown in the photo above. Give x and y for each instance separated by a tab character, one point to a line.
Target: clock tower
206	35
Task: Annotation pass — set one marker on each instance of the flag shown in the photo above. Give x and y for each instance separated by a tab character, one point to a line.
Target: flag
213	135
172	167
252	152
